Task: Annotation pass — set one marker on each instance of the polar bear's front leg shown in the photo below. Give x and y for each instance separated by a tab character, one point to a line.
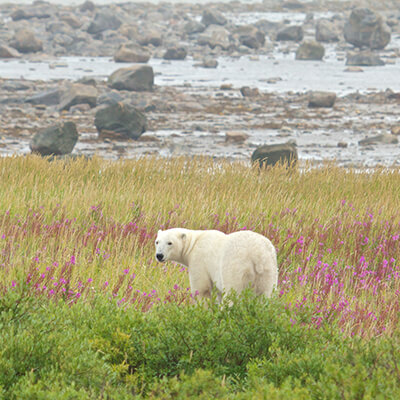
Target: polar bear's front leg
200	284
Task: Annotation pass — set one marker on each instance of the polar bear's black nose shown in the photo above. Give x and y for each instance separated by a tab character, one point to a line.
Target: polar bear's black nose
160	256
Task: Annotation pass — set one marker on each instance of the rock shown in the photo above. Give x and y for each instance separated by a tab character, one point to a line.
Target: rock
215	36
207	63
236	137
131	53
72	20
48	98
364	59
193	27
78	94
151	37
366	28
87	6
271	154
213	17
250	36
175	53
321	99
395	130
310	50
120	121
25	41
103	21
293	33
342	145
8	52
326	31
39	12
112	97
135	78
353	69
247	91
385	138
56	140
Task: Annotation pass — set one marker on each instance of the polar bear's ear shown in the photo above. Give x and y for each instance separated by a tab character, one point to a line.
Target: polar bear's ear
183	236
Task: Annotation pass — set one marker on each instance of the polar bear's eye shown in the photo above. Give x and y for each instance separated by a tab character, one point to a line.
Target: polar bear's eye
169	243
156	241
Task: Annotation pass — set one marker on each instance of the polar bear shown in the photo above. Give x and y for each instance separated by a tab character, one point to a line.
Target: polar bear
226	262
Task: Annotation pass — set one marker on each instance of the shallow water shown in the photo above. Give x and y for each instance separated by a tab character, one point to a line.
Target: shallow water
293	75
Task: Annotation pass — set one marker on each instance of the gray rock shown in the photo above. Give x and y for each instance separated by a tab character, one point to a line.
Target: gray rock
135	78
8	52
250	36
213	17
152	37
103	21
131	53
364	59
326	31
39	12
175	53
56	140
310	50
87	6
292	33
208	63
193	27
120	121
109	98
25	41
321	99
385	138
366	28
215	36
47	98
78	94
247	91
271	154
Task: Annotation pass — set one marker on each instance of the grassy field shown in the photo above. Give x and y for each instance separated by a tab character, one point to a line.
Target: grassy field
87	312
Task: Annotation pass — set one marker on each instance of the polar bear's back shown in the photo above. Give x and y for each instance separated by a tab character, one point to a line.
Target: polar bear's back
249	258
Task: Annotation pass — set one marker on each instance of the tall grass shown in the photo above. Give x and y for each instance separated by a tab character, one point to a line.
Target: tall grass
70	229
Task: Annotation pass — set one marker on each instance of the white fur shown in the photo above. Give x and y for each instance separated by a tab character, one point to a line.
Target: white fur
225	262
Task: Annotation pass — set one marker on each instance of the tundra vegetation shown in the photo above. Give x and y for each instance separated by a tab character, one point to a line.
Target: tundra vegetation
87	312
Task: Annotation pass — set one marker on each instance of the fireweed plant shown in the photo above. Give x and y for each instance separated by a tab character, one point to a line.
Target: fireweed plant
77	239
72	229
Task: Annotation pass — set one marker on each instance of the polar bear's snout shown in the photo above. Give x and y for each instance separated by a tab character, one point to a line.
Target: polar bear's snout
160	257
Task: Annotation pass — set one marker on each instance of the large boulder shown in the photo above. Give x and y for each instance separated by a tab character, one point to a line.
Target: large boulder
55	140
131	53
326	31
78	93
321	99
364	58
47	98
120	121
215	36
292	33
271	154
135	78
213	17
310	50
102	22
366	28
25	41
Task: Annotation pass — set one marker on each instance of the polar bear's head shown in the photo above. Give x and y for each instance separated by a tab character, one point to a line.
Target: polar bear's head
169	244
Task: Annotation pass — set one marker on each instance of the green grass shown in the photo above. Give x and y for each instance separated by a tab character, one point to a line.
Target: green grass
87	312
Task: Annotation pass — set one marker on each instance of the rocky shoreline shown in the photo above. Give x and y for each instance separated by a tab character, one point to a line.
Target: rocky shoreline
356	129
